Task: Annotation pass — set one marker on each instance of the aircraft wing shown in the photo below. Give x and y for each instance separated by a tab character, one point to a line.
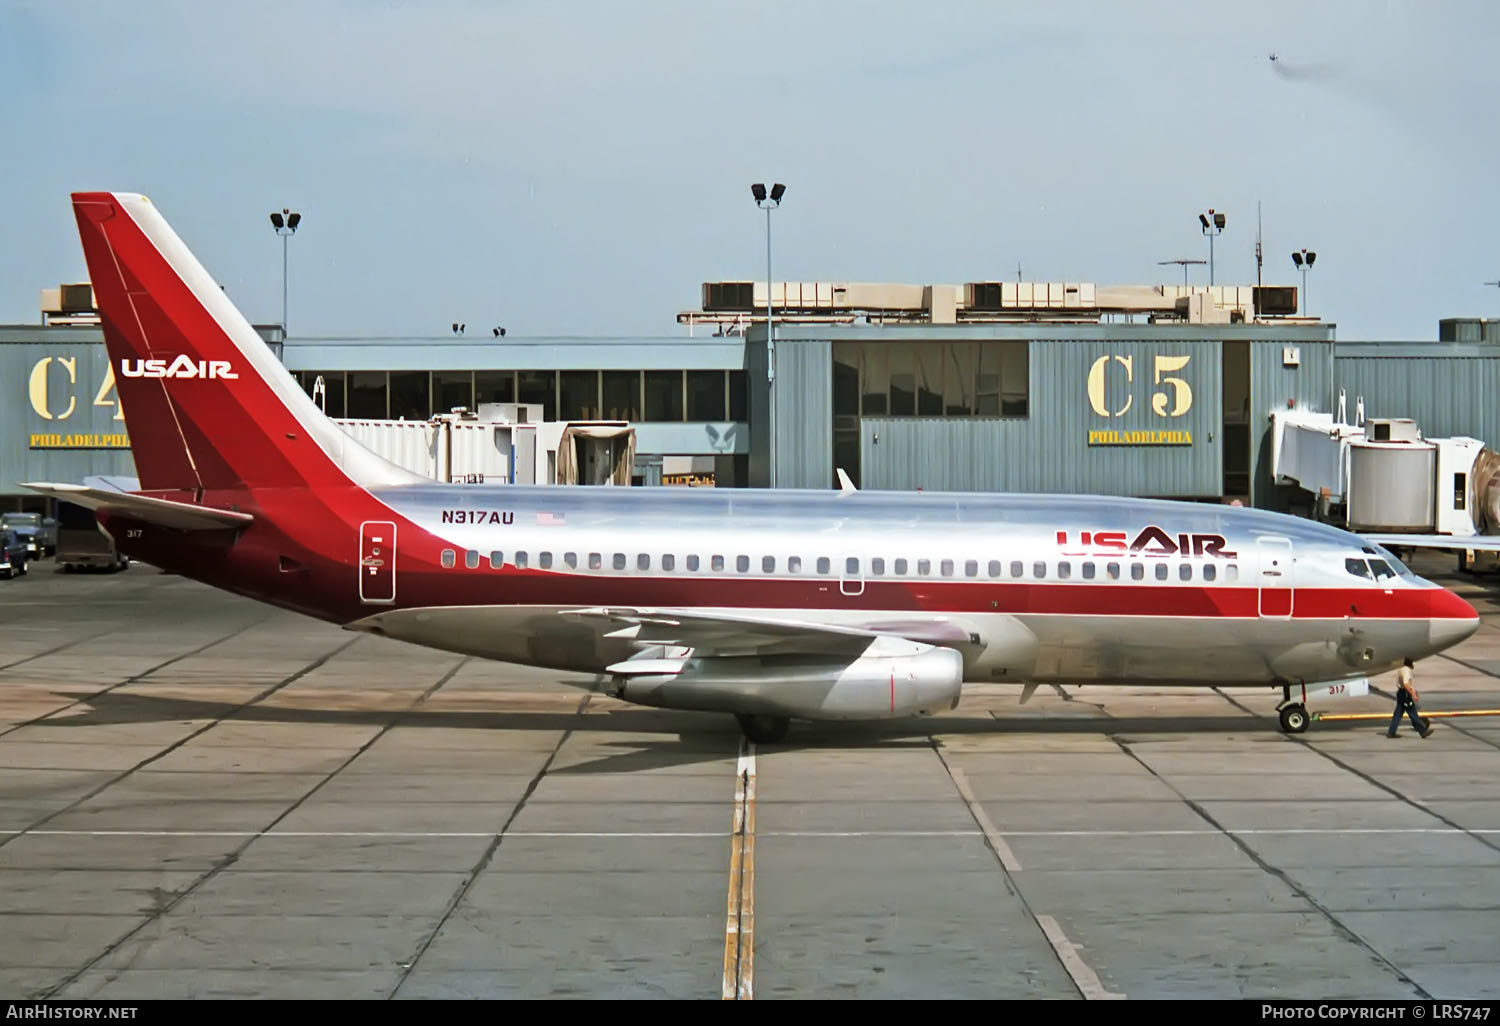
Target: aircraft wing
180	516
1473	543
714	633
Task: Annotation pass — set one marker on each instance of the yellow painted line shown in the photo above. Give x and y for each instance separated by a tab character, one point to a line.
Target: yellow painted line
739	927
1440	714
1086	979
991	832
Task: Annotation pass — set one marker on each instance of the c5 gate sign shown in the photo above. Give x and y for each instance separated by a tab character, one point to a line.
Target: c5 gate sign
1167	395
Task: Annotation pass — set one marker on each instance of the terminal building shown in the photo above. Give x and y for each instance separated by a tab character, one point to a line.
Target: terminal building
1162	391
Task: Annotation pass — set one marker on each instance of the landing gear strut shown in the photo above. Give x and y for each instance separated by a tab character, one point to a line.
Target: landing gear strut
764	729
1294	717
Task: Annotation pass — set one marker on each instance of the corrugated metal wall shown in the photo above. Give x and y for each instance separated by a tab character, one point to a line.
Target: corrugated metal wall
758	395
1049	450
804	421
57	416
1308	385
1449	390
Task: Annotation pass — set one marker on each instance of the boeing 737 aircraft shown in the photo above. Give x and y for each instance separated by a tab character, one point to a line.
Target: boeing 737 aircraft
771	605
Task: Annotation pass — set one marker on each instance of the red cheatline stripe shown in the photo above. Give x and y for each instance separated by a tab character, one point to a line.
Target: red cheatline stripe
509	586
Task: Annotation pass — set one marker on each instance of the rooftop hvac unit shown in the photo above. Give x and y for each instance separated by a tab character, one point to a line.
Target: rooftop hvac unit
1275	300
728	296
77	299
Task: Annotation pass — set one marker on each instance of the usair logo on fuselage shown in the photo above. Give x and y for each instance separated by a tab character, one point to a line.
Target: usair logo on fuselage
1151	541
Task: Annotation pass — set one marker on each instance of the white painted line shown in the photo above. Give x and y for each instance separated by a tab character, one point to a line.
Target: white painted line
739	927
396	834
668	834
1086	978
1007	857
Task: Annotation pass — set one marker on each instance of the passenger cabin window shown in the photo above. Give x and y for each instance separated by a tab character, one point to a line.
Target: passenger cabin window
947	568
692	564
571	560
1112	571
497	560
1064	570
971	568
794	564
1088	571
1017	569
544	560
1137	572
449	557
742	564
1185	572
1161	571
520	560
643	562
851	566
994	568
768	564
924	567
596	561
823	564
877	567
1039	570
619	561
471	560
668	562
900	568
1210	571
1232	572
716	563
1357	567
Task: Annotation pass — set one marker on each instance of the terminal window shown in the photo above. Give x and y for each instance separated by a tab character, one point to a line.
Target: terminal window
931	379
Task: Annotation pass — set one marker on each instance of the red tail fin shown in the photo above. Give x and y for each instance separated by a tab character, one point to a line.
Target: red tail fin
207	404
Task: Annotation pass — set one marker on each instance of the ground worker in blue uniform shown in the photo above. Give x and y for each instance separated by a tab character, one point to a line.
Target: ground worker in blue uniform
1406	701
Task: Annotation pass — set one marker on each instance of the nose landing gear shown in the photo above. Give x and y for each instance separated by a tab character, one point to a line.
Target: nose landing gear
1294	718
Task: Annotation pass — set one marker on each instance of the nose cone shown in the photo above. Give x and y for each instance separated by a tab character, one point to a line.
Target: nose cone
1450	621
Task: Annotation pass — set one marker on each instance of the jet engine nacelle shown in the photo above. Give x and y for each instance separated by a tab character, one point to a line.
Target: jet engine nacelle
892	678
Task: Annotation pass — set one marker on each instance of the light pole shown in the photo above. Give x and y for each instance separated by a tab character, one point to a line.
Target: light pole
1303	261
285	224
1213	224
1184	263
768	204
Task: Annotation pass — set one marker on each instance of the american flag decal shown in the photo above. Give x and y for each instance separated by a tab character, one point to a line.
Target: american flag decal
550	519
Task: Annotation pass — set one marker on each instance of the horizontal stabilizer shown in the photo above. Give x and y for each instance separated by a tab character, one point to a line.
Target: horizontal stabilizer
179	516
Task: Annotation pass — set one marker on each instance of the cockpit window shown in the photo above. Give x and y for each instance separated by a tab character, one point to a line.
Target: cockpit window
1357	567
1382	569
1395	564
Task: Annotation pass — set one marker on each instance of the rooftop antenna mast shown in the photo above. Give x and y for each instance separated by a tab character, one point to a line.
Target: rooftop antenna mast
1257	239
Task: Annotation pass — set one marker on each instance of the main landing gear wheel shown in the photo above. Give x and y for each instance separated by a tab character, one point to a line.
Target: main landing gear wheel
1293	718
764	729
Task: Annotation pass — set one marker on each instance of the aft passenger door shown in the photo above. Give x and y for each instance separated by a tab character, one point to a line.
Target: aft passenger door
1277	588
377	562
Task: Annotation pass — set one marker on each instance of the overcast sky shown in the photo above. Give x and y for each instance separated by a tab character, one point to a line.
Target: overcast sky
580	168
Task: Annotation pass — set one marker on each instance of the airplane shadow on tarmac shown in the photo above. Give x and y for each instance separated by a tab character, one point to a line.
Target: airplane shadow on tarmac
681	737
